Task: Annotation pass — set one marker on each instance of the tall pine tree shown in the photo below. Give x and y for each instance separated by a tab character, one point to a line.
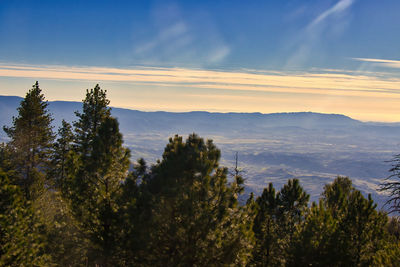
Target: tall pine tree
95	185
31	141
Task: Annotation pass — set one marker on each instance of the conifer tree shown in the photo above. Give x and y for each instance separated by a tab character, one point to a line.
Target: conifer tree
21	243
31	140
266	251
195	218
343	230
62	150
292	205
313	243
95	185
94	111
278	219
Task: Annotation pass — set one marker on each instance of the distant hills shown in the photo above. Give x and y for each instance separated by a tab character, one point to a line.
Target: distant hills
185	122
274	147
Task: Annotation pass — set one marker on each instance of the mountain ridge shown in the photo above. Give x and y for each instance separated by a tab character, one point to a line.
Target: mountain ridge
12	101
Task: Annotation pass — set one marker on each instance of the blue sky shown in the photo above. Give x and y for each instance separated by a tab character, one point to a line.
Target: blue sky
225	39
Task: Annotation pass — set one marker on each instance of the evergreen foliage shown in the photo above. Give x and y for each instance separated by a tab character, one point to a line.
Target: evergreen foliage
21	241
344	229
267	250
279	215
95	183
195	218
31	140
62	150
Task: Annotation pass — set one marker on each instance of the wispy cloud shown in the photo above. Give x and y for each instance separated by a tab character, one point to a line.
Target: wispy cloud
328	83
339	7
381	62
179	39
310	38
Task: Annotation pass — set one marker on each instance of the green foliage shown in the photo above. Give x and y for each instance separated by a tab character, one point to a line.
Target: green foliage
31	140
21	242
312	244
292	201
94	111
95	181
195	218
278	219
61	156
393	228
267	250
64	241
343	230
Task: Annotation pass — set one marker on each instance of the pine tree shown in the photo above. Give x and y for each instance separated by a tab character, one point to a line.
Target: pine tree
343	230
313	241
292	205
94	111
21	241
266	251
62	150
31	140
195	218
279	216
95	184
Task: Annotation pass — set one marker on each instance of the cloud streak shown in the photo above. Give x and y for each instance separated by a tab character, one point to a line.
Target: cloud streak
339	7
381	62
310	38
328	83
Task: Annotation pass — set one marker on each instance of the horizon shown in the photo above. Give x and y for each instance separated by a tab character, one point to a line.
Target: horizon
217	112
330	56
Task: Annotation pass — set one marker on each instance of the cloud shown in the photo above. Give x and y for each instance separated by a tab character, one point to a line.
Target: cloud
219	53
179	39
327	83
174	33
339	7
310	38
381	62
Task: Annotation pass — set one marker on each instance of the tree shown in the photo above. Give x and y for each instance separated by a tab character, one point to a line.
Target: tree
62	150
392	186
266	251
313	242
279	215
343	230
292	205
21	241
94	111
95	185
31	141
195	218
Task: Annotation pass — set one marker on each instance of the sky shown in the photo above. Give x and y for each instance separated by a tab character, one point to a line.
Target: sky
329	56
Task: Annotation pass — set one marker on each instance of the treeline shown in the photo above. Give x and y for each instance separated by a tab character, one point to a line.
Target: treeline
75	199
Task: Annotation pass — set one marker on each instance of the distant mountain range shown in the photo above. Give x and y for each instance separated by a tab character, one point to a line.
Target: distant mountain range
186	122
274	147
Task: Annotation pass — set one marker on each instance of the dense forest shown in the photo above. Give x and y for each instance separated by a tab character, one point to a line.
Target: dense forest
74	198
